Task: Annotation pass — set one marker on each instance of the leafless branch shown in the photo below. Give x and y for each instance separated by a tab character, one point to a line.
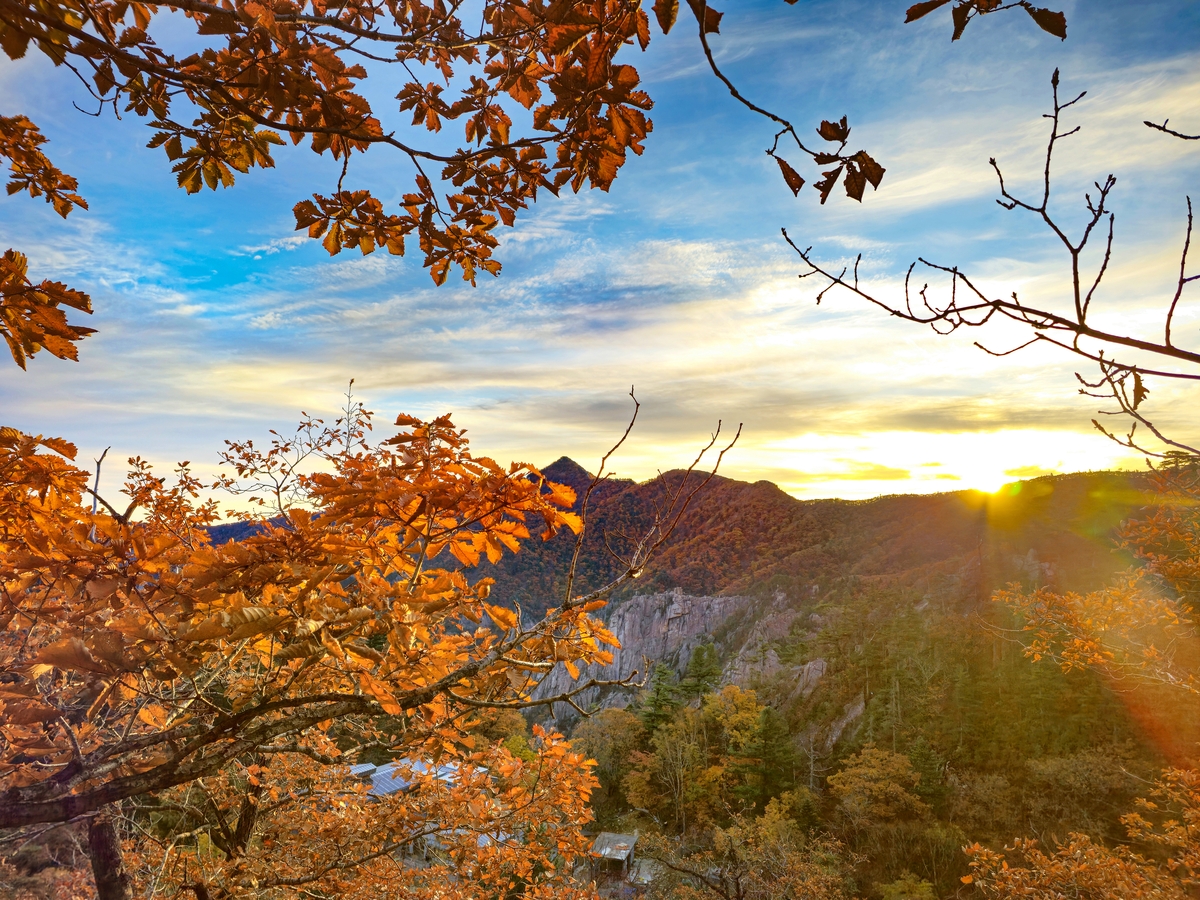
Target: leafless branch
1121	357
1165	130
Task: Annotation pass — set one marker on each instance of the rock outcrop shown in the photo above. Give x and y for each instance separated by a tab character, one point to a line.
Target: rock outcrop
652	628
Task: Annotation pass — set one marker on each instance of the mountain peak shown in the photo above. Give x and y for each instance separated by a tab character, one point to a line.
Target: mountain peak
565	470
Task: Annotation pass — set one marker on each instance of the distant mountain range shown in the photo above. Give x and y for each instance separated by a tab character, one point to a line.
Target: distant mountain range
754	539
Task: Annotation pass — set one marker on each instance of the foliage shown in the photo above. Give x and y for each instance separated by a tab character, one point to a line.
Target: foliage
497	824
755	858
907	887
1078	868
877	786
609	737
30	315
147	672
703	672
659	701
1141	627
542	101
965	10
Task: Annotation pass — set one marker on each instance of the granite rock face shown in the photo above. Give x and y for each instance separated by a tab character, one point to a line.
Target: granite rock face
666	627
652	628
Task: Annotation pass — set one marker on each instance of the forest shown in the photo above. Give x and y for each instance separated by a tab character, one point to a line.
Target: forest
366	659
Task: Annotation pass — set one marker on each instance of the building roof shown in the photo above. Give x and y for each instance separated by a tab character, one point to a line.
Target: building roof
393	777
610	845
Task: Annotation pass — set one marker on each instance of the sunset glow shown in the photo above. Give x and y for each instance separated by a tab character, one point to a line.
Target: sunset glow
677	281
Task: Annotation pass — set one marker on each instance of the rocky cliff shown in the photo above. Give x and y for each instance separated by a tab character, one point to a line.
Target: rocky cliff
664	627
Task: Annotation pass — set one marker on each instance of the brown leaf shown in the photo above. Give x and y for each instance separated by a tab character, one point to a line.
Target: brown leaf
835	132
855	182
825	185
917	10
666	11
29	713
790	175
643	33
70	654
705	14
961	14
873	170
1139	389
1054	23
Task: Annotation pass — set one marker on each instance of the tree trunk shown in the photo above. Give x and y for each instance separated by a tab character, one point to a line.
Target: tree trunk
108	866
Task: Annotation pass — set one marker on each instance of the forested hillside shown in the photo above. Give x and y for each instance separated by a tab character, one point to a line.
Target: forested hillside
739	538
863	680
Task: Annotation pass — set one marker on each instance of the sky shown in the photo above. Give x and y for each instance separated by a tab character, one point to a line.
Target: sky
216	320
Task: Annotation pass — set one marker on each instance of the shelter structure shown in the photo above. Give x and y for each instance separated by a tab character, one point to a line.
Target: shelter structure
396	776
612	854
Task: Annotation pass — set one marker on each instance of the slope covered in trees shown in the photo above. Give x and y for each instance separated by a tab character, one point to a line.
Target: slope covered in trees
889	705
741	538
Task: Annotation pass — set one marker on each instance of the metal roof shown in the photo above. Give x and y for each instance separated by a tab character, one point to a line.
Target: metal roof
392	777
610	845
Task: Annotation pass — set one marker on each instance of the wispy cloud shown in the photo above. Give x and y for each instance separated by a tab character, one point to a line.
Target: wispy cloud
216	321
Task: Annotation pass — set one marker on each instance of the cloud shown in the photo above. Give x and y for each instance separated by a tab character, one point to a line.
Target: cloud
215	322
275	245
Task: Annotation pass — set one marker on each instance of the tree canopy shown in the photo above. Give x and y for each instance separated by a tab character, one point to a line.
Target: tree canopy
542	91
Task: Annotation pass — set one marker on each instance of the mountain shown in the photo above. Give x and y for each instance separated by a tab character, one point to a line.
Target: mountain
753	539
816	603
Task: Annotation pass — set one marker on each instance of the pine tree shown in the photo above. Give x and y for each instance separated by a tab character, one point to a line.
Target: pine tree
703	673
661	699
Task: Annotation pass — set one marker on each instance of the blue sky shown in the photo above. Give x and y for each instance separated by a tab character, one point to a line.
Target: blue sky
217	321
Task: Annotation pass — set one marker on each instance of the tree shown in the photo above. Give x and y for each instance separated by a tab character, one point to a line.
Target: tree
544	104
877	786
758	858
666	776
147	673
610	737
659	702
703	672
1123	359
769	766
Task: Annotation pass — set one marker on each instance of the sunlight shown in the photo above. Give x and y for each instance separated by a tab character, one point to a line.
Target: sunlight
894	462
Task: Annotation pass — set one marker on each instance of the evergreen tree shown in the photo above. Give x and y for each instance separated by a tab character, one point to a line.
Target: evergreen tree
767	768
660	700
703	673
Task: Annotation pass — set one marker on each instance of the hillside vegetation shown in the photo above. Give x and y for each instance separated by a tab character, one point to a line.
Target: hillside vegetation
867	687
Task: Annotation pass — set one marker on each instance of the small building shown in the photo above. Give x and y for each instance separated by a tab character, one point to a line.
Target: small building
612	854
390	778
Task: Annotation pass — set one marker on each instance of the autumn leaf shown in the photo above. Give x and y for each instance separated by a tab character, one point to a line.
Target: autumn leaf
1140	391
666	11
855	182
835	132
380	692
917	10
872	170
825	185
790	175
505	618
1054	23
708	17
961	14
